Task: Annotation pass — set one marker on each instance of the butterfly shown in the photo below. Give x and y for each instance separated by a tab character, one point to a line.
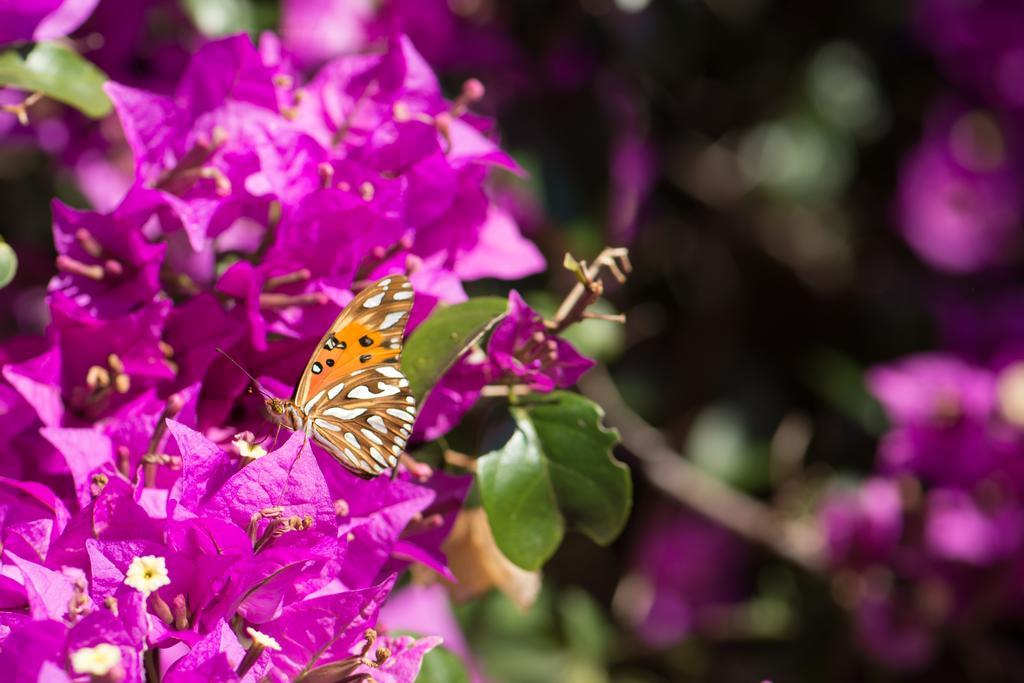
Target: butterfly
352	398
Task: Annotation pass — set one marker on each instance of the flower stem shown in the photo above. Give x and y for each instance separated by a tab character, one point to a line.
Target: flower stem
20	109
795	540
589	288
151	663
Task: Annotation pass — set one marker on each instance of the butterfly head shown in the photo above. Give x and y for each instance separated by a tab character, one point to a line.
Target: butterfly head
276	406
284	413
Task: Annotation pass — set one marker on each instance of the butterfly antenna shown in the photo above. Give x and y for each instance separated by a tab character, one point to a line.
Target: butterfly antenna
256	382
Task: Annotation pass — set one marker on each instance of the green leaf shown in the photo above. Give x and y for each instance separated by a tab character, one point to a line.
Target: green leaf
555	471
8	264
519	497
57	72
441	665
439	341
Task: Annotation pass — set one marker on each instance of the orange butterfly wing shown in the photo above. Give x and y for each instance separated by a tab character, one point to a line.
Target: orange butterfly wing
352	392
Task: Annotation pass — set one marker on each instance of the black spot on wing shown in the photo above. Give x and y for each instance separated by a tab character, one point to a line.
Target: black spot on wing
365	341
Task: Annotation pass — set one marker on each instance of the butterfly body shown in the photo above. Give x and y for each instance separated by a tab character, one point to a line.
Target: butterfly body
352	398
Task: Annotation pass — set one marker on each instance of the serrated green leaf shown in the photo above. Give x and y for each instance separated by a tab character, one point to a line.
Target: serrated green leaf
594	489
8	264
441	339
441	665
555	471
57	72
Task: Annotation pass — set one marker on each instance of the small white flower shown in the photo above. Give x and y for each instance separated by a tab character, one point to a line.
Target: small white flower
147	573
263	640
96	661
249	450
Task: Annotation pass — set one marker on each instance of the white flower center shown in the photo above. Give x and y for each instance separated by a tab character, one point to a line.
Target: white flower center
249	450
96	661
147	573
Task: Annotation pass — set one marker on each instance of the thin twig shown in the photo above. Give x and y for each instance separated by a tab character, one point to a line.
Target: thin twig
20	109
607	317
458	459
796	540
589	288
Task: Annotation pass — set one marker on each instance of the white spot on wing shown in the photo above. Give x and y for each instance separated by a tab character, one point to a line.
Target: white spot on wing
400	414
396	449
371	436
408	399
375	454
389	371
351	438
312	402
392	460
335	390
377	422
325	424
400	442
345	413
391	318
365	393
402	296
385	282
350	455
374	301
